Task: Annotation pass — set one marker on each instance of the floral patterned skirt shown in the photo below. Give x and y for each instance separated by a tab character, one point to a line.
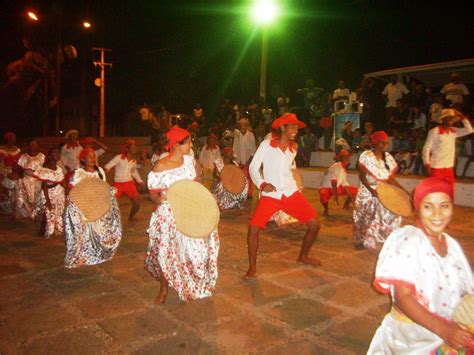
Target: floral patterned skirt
55	216
28	191
91	243
372	222
227	200
189	264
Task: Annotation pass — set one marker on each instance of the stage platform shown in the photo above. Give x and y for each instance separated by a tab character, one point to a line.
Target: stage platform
463	192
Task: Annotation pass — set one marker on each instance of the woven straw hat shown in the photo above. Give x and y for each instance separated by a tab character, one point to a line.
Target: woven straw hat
233	179
395	200
298	178
92	196
464	312
194	208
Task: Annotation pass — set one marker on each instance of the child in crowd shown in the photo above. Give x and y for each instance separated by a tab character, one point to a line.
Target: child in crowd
209	154
419	136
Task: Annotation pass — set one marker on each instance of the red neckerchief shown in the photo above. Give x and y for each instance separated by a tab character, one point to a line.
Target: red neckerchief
124	156
73	145
275	143
445	130
345	165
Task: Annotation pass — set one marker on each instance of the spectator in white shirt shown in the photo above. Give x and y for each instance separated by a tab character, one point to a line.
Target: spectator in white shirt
279	190
335	183
440	146
89	142
244	142
70	151
455	91
125	168
393	92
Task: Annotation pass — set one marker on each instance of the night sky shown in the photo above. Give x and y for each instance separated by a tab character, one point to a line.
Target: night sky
182	52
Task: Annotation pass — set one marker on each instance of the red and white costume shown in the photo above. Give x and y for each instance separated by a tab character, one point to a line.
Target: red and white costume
8	158
125	173
277	167
57	196
336	173
29	186
440	149
208	156
244	146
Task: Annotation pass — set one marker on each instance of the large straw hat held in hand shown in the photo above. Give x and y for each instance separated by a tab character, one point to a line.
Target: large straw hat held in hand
233	179
92	197
194	208
395	200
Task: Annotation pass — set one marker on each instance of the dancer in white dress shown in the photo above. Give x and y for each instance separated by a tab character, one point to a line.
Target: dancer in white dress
52	198
426	274
29	186
186	264
90	243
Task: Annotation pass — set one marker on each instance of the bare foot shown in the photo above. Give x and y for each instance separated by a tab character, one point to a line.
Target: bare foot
308	261
161	298
251	274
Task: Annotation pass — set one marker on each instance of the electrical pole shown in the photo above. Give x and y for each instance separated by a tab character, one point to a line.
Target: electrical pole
102	65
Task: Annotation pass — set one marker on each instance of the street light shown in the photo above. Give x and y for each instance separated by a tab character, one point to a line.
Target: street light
264	12
32	15
86	24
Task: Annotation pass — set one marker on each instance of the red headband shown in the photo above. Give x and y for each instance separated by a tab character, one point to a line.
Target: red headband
428	186
342	153
379	136
175	135
126	145
9	136
84	152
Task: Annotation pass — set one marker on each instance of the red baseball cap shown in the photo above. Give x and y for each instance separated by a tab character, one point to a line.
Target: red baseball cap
287	118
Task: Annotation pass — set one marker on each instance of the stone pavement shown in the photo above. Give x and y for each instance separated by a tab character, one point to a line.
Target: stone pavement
45	308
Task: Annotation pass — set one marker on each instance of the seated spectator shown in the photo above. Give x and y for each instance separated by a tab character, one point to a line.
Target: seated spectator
399	117
404	157
419	137
341	93
455	91
356	145
435	109
396	141
366	140
416	118
346	132
307	144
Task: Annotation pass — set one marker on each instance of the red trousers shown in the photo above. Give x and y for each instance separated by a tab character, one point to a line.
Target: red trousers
325	193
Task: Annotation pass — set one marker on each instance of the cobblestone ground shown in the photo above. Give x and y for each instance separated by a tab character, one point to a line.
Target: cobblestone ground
45	308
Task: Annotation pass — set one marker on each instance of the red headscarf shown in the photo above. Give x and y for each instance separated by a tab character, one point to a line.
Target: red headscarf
125	147
84	152
378	136
429	186
175	135
342	153
9	136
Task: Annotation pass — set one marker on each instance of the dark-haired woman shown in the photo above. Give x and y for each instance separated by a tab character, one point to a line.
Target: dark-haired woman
186	264
90	243
52	197
372	222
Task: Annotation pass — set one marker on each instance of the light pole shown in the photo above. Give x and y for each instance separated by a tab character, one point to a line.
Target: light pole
264	12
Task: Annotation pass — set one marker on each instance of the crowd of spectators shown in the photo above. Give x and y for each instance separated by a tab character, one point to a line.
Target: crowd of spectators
406	112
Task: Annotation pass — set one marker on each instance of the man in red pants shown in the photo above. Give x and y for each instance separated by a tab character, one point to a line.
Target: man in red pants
279	190
440	146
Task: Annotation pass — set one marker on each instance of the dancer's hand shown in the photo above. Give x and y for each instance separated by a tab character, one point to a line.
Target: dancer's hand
269	188
456	335
374	193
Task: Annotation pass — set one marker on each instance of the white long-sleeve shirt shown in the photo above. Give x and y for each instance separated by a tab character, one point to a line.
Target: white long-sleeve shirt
440	149
277	166
124	169
244	146
336	172
70	156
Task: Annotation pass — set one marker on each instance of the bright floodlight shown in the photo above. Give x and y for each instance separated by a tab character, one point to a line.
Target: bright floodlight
86	24
32	16
264	11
